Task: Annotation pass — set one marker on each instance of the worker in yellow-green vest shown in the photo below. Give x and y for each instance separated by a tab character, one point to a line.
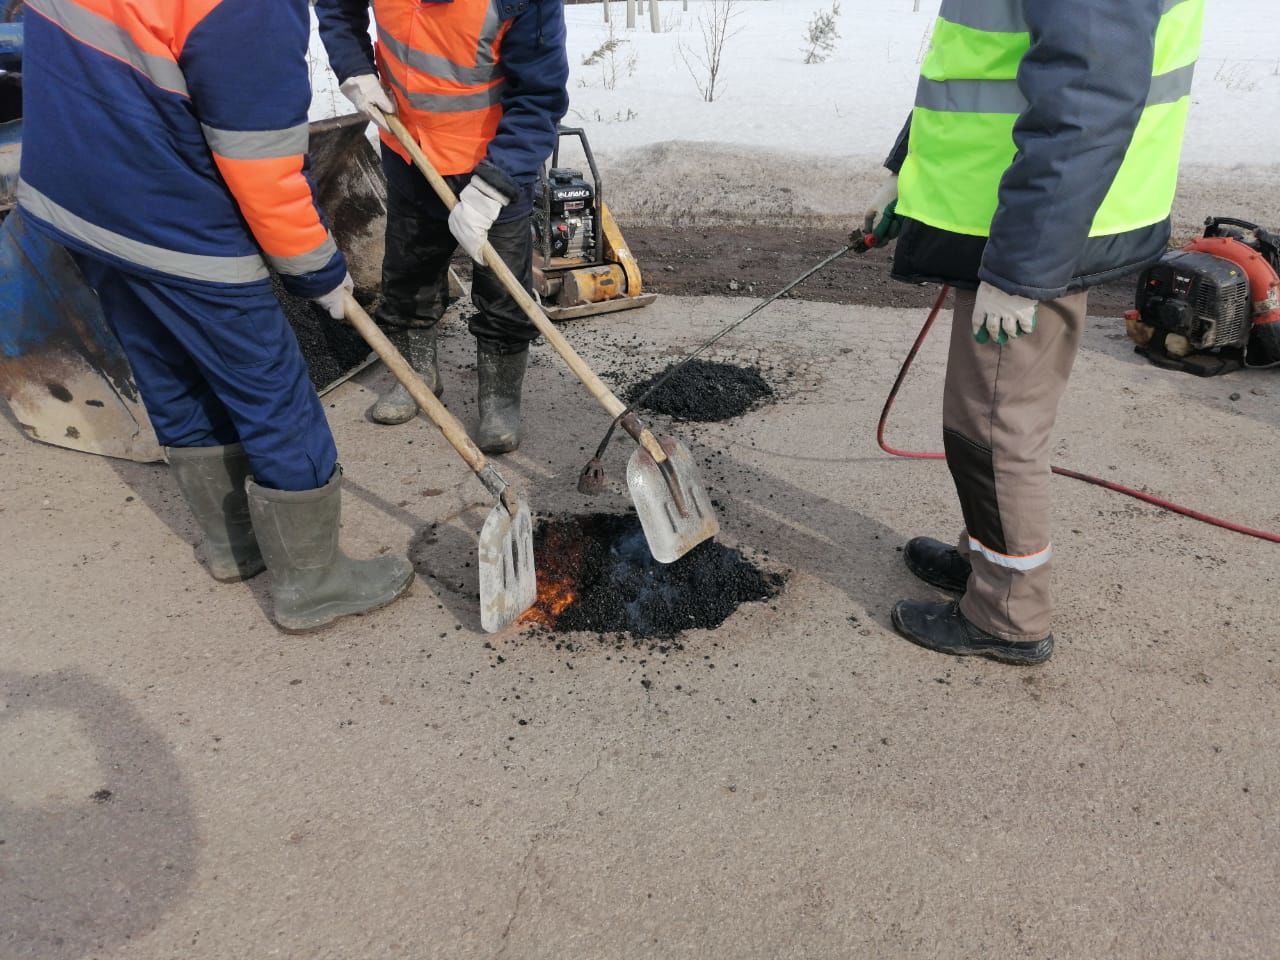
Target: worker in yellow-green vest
1041	159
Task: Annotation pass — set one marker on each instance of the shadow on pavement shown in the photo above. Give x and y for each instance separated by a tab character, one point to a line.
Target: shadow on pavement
152	484
443	554
83	871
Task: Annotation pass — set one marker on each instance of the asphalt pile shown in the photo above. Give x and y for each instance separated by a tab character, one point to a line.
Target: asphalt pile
595	574
331	349
705	390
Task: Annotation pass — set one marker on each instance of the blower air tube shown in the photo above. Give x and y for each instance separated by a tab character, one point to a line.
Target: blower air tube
1264	291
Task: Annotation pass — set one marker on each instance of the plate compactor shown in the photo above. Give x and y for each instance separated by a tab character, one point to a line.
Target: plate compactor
1213	306
581	264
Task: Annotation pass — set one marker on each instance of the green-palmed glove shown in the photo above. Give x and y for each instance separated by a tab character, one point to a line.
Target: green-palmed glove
881	220
1001	316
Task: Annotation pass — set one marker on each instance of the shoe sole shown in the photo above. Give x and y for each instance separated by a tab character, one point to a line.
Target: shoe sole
235	574
396	421
235	577
919	575
1000	654
336	611
498	448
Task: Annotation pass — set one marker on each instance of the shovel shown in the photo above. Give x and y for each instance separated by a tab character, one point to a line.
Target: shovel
670	500
508	582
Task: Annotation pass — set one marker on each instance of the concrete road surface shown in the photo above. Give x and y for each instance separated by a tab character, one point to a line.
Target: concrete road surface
180	780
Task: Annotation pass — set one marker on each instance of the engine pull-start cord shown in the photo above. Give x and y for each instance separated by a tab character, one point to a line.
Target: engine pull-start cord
1061	471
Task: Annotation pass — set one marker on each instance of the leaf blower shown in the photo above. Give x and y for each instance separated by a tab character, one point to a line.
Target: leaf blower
1213	306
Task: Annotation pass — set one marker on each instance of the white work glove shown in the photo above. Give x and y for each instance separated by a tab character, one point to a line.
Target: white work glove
478	206
1001	316
369	96
335	301
886	195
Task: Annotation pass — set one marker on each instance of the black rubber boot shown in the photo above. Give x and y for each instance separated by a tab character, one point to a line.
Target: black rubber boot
501	382
942	627
418	344
937	564
212	482
312	581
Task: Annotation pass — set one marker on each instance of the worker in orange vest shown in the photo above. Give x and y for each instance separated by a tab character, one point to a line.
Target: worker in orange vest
481	85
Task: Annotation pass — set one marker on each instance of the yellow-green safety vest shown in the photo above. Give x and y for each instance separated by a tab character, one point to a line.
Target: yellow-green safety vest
968	100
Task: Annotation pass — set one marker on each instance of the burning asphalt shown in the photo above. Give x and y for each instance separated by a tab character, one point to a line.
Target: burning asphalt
595	574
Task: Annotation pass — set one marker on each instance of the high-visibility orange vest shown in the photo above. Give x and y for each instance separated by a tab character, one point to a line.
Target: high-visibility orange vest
441	62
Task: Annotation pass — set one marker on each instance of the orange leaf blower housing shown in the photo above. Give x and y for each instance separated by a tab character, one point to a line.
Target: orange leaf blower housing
1258	261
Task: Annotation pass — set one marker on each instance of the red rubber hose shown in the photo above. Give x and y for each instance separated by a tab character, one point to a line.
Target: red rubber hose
1060	471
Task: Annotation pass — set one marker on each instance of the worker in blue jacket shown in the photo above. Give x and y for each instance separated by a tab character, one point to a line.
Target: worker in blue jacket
481	86
165	145
1041	159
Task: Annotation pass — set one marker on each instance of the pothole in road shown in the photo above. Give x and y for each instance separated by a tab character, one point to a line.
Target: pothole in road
596	574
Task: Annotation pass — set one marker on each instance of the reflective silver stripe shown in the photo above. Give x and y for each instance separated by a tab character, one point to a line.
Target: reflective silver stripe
309	262
1172	86
1003	96
1029	562
97	31
451	103
993	16
258	144
970	96
489	31
1003	16
192	266
441	68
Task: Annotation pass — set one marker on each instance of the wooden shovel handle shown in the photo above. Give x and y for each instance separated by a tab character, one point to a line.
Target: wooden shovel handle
515	288
453	431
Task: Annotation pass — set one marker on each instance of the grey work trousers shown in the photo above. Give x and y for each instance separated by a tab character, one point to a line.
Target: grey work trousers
998	411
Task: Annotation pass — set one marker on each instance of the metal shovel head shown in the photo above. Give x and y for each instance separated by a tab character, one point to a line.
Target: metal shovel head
508	583
671	501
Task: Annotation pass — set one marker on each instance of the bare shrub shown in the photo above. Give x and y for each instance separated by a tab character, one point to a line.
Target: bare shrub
715	24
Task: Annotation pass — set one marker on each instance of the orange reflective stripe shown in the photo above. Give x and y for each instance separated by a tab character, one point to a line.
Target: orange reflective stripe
275	199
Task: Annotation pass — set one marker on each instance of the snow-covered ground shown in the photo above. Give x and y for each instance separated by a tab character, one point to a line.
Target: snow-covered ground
853	104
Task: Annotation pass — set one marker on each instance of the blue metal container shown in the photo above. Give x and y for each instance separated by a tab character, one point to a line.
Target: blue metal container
62	370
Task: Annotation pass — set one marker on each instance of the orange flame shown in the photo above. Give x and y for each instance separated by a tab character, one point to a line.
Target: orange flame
559	560
555	594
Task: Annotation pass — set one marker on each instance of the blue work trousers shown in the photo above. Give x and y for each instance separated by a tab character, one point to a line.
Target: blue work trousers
217	366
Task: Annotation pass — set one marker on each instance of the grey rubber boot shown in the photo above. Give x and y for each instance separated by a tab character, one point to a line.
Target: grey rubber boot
212	482
312	581
501	381
418	344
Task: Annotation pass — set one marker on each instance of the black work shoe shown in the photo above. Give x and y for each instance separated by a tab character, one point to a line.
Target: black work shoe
937	564
942	627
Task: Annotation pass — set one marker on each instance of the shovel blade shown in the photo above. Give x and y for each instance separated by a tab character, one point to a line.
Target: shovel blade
508	583
671	501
